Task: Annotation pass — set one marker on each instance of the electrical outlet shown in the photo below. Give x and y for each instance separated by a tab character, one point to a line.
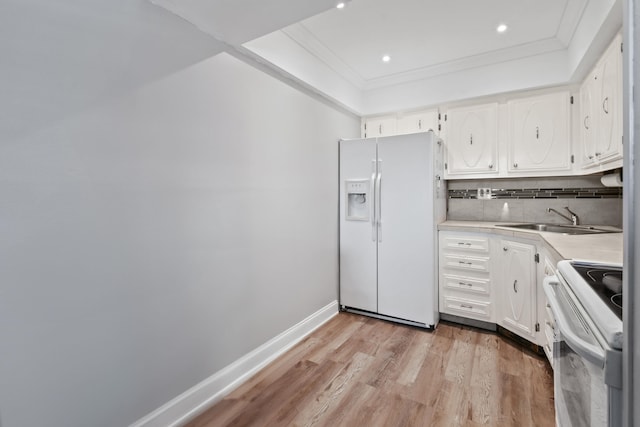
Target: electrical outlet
484	193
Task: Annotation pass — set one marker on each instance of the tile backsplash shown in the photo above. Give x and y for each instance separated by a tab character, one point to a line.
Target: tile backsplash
527	200
542	193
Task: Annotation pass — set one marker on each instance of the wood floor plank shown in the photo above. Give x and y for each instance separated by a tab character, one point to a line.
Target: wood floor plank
349	411
414	358
333	392
360	371
484	381
341	332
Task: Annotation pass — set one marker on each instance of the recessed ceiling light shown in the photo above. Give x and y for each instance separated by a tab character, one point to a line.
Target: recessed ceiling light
501	28
386	58
340	5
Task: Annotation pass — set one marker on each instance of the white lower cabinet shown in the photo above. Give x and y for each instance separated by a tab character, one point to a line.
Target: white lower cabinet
492	278
518	308
465	276
468	308
549	333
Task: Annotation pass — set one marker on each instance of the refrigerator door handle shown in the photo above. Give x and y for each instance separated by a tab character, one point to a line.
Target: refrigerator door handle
372	202
379	200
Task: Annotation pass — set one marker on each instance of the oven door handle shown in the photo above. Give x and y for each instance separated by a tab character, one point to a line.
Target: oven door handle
588	351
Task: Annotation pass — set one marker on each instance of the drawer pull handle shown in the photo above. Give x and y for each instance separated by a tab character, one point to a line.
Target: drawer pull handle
466	263
465	284
515	286
464	243
469	307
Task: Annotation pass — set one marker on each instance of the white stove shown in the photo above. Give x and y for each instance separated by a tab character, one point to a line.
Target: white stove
586	302
598	287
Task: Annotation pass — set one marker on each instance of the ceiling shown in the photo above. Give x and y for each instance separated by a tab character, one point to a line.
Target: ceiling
424	37
441	51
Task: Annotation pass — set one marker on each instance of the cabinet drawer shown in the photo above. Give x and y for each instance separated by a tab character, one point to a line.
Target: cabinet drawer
472	244
550	339
467	263
467	308
466	284
549	319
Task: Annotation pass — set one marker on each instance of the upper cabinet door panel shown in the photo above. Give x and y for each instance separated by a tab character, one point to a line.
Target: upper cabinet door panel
588	120
601	107
539	133
609	139
422	121
379	126
472	140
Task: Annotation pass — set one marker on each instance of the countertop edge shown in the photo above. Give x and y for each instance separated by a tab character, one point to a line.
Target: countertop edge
605	248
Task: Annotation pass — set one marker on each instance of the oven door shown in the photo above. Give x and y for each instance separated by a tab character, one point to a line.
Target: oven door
581	395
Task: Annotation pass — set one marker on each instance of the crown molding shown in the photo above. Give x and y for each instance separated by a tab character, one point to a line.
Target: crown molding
305	38
570	19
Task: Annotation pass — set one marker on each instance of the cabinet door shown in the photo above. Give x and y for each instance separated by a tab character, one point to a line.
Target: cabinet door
609	105
588	119
422	121
379	126
518	306
472	140
539	138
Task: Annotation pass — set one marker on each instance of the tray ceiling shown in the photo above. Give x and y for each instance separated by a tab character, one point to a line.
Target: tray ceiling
426	37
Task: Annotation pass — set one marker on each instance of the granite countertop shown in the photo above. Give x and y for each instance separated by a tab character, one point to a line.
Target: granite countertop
605	247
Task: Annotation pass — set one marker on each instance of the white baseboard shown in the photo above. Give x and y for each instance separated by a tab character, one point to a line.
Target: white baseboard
197	399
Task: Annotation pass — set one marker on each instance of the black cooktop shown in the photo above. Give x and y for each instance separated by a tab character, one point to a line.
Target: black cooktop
605	281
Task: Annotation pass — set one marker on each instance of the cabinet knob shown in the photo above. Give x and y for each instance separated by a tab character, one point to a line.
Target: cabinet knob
515	165
491	166
515	286
585	122
591	157
505	249
537	132
605	105
598	154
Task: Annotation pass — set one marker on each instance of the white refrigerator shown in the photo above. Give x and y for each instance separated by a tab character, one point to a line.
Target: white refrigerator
392	198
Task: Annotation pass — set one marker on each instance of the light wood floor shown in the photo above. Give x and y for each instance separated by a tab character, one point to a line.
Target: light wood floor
358	371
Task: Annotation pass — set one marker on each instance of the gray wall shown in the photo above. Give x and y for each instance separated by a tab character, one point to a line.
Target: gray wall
158	226
592	211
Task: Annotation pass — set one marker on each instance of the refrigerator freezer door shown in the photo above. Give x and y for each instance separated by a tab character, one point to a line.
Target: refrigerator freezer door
406	261
358	246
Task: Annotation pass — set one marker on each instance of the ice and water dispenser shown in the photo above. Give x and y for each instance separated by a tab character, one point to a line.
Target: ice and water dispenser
357	203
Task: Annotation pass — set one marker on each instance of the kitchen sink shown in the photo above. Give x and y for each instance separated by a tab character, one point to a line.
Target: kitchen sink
563	229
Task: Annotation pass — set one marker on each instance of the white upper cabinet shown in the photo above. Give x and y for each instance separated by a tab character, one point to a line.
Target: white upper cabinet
421	121
601	110
472	141
588	123
379	126
539	134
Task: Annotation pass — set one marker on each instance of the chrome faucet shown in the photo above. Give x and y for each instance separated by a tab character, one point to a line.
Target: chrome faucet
573	218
